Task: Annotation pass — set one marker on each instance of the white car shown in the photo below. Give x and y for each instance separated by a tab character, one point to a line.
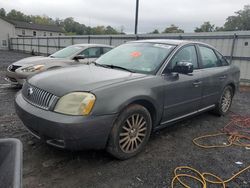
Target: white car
18	71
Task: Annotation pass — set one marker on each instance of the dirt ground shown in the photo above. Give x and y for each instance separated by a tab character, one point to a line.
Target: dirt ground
46	166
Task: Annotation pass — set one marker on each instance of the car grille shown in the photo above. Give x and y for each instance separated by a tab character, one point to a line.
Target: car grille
13	68
38	97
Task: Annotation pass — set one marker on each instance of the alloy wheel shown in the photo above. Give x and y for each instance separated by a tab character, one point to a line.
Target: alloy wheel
133	133
226	101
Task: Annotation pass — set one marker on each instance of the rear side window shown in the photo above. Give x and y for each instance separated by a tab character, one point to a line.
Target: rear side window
222	59
208	57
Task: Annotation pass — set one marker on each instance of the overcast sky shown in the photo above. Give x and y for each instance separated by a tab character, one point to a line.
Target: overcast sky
153	14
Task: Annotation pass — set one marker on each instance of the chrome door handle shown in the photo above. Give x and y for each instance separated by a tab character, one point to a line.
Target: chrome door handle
197	83
223	77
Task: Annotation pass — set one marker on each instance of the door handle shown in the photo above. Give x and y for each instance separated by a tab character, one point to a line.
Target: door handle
197	83
223	77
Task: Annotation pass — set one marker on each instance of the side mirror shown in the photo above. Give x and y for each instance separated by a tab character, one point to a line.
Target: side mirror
183	67
77	57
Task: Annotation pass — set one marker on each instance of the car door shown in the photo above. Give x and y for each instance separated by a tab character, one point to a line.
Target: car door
91	54
182	92
214	77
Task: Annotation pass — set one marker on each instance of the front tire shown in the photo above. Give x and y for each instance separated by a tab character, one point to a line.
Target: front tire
130	132
225	101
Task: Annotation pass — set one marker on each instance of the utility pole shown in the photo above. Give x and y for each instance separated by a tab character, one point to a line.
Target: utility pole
136	16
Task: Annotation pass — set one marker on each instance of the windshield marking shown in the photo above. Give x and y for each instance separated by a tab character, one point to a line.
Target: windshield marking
162	46
136	54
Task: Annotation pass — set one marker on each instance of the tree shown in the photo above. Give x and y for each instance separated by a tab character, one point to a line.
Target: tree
98	30
58	22
110	31
156	31
240	21
173	29
70	26
102	30
205	27
2	12
232	23
219	29
17	15
44	20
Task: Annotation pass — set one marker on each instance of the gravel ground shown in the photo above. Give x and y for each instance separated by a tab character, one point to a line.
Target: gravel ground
45	166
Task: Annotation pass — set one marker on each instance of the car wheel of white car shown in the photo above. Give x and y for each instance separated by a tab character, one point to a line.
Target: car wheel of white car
130	133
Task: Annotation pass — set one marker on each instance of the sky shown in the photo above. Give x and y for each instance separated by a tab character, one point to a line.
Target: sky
120	14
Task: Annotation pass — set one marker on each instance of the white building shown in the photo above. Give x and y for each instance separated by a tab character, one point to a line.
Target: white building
13	28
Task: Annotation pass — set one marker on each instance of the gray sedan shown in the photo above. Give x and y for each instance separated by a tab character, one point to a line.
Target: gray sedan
129	92
75	54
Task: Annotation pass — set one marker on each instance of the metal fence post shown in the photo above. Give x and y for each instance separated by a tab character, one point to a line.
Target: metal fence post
89	39
110	40
72	40
9	42
47	43
232	50
23	45
17	42
38	46
31	49
58	39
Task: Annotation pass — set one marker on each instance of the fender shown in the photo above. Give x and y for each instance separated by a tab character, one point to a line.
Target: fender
113	100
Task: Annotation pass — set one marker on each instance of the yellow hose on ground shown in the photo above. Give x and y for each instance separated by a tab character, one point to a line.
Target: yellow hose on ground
234	138
202	177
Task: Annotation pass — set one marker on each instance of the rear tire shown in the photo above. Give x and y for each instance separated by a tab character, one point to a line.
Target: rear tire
225	101
130	132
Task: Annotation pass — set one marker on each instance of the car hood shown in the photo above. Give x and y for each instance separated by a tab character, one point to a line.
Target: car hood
79	78
37	60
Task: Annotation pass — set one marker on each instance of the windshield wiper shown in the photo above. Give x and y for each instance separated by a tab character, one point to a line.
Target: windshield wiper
97	64
110	66
117	67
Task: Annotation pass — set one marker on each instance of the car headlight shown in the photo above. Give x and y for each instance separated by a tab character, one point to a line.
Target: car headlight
76	103
33	68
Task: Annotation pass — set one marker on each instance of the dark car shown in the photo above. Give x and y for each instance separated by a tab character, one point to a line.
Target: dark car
134	89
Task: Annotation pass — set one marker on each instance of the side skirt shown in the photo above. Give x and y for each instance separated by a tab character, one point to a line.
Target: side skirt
174	120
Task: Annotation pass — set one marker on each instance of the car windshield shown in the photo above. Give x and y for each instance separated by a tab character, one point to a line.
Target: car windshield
66	52
137	57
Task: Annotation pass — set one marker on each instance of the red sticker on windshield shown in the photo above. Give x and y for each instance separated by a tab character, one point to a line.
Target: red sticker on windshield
135	54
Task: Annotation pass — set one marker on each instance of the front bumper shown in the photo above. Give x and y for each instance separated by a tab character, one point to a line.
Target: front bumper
14	78
71	132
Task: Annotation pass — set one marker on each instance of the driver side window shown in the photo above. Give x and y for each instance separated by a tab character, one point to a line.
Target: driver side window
186	54
91	52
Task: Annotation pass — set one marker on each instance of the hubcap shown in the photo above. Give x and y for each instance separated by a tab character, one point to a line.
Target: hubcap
133	133
226	101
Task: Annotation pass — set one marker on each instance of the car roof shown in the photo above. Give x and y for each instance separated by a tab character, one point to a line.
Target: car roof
92	45
171	42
